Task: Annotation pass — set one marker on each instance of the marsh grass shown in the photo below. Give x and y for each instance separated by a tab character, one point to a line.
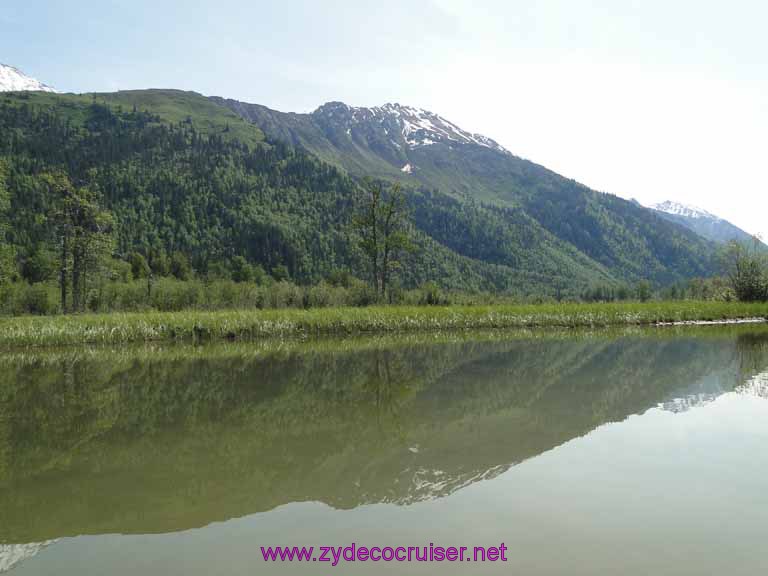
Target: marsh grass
200	326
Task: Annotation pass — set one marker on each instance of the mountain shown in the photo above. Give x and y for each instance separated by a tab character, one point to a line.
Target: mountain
182	173
702	222
425	150
14	80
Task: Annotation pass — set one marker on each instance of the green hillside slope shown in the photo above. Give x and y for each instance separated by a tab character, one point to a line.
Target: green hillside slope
181	174
391	141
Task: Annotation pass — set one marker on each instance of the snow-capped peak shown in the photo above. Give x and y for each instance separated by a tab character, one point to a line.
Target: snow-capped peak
14	80
686	210
418	127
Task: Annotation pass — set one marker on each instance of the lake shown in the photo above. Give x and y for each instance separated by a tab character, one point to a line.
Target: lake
629	452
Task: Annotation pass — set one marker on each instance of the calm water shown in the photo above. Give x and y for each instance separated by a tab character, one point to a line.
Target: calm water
632	454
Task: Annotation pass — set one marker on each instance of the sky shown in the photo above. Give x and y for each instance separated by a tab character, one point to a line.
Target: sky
653	100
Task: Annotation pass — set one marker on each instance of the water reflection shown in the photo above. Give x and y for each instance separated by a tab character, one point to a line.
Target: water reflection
166	439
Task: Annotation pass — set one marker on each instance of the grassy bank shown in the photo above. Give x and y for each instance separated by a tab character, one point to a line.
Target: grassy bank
251	324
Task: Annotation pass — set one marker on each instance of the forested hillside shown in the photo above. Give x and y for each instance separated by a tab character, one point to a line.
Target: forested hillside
418	146
185	179
192	188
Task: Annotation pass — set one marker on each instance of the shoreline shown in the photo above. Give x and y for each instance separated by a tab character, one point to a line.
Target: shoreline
244	325
726	322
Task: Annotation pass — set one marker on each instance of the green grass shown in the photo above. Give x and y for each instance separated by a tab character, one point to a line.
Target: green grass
171	106
253	324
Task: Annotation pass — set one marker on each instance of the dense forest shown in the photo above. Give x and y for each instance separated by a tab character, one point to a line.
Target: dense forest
137	187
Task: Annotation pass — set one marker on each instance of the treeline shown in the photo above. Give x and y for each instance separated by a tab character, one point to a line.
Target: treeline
171	294
715	289
744	278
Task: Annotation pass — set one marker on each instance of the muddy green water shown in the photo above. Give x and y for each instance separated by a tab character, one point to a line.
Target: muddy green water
635	453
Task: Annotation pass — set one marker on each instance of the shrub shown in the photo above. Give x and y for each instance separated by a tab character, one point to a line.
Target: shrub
362	294
280	272
218	271
159	262
324	295
40	299
284	295
431	295
139	267
20	298
39	266
121	297
180	266
242	271
169	294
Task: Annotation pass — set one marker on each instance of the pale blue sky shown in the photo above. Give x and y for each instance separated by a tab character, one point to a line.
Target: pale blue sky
649	99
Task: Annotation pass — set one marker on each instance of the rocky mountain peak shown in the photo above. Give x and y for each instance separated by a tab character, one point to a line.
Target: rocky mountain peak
408	125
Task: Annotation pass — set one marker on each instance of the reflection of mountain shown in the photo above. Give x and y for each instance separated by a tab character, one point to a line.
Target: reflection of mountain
688	402
13	554
702	392
755	375
157	442
755	386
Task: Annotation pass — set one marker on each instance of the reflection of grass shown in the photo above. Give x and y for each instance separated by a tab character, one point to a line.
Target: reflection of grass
252	324
271	347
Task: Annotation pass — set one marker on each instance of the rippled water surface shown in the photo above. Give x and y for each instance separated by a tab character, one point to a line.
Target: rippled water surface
584	453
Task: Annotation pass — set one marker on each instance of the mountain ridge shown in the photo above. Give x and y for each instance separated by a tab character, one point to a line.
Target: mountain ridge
633	241
703	222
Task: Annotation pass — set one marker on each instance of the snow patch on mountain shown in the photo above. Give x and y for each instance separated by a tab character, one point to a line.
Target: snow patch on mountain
12	554
14	80
418	127
408	169
686	210
686	403
424	128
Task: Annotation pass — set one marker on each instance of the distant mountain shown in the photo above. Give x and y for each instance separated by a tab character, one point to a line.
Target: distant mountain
423	149
14	80
702	222
684	210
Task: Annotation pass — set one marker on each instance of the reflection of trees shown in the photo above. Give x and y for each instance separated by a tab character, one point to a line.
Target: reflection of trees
753	363
752	349
5	441
155	443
